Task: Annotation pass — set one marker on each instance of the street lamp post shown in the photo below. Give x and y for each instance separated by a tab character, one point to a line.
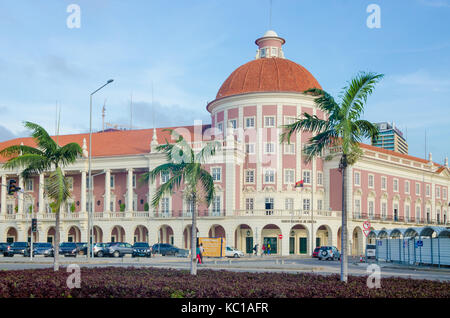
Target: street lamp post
91	205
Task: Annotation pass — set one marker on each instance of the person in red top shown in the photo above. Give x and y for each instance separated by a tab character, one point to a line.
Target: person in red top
264	248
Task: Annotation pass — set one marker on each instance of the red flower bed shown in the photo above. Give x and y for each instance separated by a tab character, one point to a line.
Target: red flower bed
152	282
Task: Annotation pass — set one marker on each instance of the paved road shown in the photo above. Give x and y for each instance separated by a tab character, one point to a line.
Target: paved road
255	264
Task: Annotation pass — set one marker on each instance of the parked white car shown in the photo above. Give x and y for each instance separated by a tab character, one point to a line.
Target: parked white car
232	252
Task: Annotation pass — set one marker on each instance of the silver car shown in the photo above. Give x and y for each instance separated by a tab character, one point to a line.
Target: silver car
119	249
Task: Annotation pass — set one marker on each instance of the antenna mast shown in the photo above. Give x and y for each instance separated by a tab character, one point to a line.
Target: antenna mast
103	115
131	111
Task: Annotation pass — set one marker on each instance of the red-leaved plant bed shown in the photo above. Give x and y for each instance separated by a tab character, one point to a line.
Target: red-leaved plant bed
152	282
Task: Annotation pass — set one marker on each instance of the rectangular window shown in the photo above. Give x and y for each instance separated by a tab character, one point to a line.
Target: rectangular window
407	213
29	185
371	182
249	204
289	149
357	178
270	147
250	148
289	176
289	204
70	182
274	52
269	204
319	205
417	214
216	173
417	188
428	190
383	209
319	178
269	121
10	208
357	207
233	123
395	185
307	177
216	205
220	127
444	193
134	181
249	176
383	183
306	204
407	187
165	176
190	207
289	120
438	192
165	205
249	122
112	182
371	208
269	176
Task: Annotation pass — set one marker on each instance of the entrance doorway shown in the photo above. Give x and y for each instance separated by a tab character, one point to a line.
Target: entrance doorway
249	245
273	244
303	245
291	245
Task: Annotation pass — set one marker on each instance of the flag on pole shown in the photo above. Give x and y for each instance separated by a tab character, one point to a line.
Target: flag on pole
299	184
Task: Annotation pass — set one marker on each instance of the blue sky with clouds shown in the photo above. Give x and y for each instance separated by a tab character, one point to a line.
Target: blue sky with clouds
188	48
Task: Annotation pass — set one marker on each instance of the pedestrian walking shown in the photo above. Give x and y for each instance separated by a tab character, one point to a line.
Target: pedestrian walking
202	250
264	249
268	249
199	260
255	249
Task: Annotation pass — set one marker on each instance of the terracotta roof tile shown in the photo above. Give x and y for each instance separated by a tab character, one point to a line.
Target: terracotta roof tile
112	143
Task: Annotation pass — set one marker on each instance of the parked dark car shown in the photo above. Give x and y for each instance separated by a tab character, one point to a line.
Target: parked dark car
81	248
68	249
329	253
45	249
119	249
141	249
21	248
3	247
316	252
167	249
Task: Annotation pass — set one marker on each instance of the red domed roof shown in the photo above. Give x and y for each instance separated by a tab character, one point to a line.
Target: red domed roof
268	75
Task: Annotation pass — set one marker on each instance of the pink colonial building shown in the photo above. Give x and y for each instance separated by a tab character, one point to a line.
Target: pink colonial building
256	201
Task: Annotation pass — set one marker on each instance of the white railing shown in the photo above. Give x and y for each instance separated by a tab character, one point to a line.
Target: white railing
281	213
141	214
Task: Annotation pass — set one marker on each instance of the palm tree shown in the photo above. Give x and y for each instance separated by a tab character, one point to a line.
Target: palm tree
49	157
343	128
185	168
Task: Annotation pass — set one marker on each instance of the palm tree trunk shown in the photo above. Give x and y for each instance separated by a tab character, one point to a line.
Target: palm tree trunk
344	260
194	238
56	249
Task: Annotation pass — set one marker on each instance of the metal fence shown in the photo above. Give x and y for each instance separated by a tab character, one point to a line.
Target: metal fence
413	246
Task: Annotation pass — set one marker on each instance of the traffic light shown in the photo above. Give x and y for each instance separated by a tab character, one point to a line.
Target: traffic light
34	225
12	187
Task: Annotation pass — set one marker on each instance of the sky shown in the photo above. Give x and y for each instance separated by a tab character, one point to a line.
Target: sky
186	49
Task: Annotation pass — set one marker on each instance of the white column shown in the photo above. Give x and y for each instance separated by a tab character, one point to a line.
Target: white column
41	193
130	190
83	191
20	196
3	195
107	204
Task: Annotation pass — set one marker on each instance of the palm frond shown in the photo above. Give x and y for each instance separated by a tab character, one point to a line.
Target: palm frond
207	183
310	123
208	151
57	187
17	150
69	153
32	162
43	139
355	94
167	188
325	101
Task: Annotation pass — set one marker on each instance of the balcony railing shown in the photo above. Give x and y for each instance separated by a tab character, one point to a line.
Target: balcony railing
281	213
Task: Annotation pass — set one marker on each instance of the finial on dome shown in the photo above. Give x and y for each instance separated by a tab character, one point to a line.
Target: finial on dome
270	45
430	157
